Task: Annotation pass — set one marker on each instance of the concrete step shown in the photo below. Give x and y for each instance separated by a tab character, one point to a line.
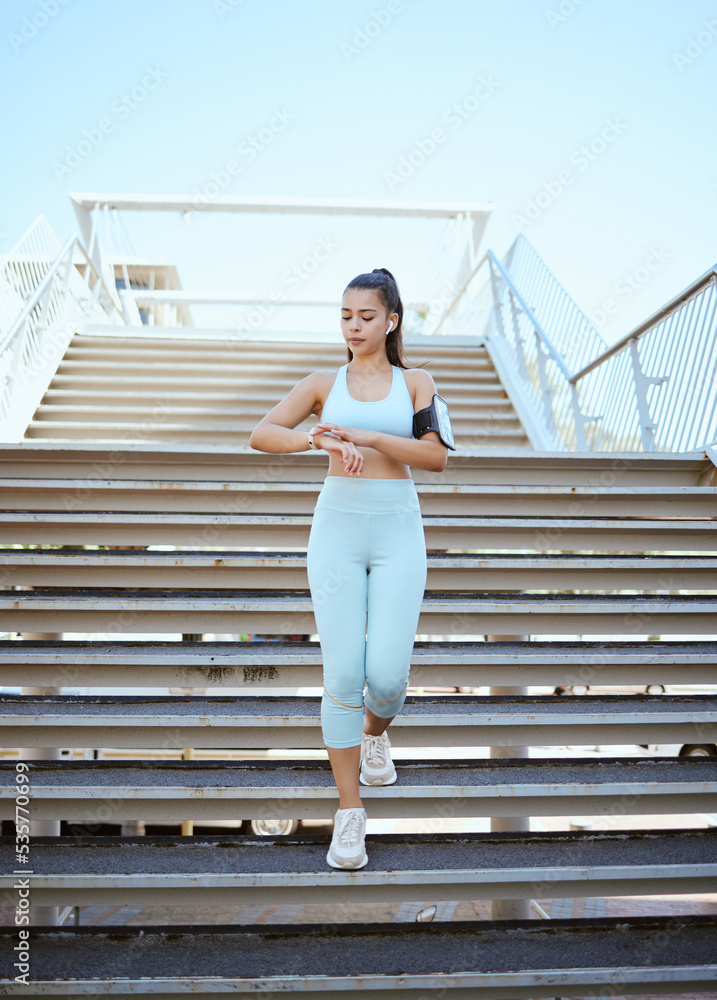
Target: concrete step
423	348
237	421
226	870
192	375
270	356
493	436
240	530
255	403
255	570
74	377
174	362
266	497
266	352
367	961
156	460
168	791
265	723
275	664
100	610
140	431
272	340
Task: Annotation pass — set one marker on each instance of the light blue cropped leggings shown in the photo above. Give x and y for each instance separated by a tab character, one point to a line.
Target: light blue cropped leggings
366	563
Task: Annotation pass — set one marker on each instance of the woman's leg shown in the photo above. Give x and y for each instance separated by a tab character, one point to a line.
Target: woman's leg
374	725
396	585
345	765
336	566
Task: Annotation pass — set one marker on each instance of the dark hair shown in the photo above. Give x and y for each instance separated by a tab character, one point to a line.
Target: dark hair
381	281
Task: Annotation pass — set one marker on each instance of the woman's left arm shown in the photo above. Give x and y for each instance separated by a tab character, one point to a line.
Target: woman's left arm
427	452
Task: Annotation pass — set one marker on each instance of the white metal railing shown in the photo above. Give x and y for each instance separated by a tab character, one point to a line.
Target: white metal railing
575	392
656	388
35	340
573	336
456	252
24	267
527	359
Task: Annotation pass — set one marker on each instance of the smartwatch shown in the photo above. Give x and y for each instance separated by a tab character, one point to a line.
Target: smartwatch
435	418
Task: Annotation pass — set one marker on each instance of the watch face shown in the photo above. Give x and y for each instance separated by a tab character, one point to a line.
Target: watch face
444	421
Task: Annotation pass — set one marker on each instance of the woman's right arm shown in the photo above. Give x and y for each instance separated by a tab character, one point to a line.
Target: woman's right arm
275	433
276	439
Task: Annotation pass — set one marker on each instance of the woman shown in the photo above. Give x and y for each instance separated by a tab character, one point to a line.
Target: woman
366	556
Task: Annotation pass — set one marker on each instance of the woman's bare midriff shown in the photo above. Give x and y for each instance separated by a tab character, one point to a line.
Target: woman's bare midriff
376	465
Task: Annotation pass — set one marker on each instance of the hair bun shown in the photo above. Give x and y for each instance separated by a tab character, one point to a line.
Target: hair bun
383	270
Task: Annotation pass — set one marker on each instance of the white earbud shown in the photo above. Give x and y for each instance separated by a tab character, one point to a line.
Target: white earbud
390	327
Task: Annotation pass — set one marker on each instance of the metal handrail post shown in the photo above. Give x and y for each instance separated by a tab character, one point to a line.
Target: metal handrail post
111	295
497	307
581	442
642	382
547	392
520	347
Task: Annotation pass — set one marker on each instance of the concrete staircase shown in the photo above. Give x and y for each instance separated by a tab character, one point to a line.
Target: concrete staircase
143	388
613	548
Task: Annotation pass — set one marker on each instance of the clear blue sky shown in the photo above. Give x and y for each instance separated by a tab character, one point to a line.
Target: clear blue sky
645	206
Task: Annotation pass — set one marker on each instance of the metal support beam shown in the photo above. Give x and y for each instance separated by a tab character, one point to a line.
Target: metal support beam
509	909
283	206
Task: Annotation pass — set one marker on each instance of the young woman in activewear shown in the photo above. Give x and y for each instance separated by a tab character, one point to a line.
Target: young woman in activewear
366	557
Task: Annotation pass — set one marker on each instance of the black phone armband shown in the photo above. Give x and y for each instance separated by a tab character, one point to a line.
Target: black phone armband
434	418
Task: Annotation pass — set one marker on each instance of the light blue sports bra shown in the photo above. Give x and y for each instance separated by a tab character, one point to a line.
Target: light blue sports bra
391	415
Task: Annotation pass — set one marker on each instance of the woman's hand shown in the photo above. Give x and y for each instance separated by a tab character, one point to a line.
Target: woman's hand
346	450
363	439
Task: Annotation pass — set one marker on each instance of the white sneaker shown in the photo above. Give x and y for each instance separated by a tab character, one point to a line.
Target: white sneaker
347	844
376	764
